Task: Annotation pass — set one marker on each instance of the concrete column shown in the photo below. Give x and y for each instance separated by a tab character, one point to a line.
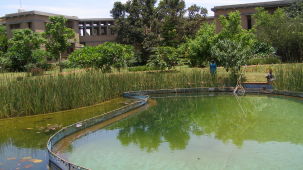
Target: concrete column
99	28
84	28
107	28
92	29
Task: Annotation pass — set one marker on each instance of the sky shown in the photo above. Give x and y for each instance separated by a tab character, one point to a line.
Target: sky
94	8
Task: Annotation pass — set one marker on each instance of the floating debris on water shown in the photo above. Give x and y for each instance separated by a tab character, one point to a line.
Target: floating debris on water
28	166
11	159
36	161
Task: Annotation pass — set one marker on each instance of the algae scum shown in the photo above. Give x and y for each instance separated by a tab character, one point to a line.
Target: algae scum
23	140
199	132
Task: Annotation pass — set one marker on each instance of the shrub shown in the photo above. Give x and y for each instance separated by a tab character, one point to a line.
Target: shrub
103	57
22	48
163	57
141	68
264	59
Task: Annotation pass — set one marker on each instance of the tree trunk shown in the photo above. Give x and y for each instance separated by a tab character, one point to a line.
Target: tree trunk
60	62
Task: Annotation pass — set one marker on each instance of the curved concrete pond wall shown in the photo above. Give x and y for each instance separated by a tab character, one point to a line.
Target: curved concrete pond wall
141	99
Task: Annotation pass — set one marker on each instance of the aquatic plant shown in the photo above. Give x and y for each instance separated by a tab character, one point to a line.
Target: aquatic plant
37	95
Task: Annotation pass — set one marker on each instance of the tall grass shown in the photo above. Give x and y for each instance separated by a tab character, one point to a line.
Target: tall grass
29	96
289	77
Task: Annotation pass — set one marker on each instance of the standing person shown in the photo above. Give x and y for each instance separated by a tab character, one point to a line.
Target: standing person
213	67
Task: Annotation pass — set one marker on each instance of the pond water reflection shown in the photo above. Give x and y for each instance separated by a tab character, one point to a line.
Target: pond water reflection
199	132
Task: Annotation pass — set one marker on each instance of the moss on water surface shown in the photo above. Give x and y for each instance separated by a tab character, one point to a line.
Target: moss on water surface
26	137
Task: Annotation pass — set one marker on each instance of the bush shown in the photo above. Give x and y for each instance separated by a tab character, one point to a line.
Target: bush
103	57
163	57
267	59
5	63
141	68
34	70
67	64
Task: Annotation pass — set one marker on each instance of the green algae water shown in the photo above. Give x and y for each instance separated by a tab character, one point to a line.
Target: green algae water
23	140
198	132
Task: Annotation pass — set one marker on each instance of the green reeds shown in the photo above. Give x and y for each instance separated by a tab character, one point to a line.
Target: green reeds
289	77
45	94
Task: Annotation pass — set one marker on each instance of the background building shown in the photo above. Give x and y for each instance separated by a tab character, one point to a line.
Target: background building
95	31
247	10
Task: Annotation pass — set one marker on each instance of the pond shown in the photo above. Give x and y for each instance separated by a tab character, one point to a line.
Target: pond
208	131
23	140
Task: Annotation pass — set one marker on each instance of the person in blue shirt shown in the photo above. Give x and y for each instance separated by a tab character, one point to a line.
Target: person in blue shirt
213	67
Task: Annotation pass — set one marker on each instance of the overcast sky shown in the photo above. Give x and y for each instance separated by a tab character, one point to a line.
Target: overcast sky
93	8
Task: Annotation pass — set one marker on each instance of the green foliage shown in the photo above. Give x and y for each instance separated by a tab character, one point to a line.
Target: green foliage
146	26
136	25
172	19
164	57
58	36
22	48
196	16
141	68
5	63
264	59
284	33
296	9
103	57
3	39
232	54
198	50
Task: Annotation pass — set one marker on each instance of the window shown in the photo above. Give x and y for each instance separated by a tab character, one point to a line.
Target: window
29	24
249	22
15	26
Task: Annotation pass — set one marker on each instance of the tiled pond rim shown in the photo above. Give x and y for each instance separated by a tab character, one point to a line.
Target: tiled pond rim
142	98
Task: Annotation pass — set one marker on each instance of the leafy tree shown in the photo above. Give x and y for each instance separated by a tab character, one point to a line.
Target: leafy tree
135	24
234	45
58	37
103	57
21	48
196	16
3	39
284	33
232	54
198	50
295	10
171	14
164	57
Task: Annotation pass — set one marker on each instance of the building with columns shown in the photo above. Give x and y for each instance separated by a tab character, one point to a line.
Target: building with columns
90	32
95	31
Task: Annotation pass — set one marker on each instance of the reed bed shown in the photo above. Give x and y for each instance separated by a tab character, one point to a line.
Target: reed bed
45	94
289	77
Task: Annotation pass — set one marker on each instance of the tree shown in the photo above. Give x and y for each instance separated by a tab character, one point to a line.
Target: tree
198	49
58	37
196	16
282	32
21	48
234	44
295	9
135	24
232	54
171	14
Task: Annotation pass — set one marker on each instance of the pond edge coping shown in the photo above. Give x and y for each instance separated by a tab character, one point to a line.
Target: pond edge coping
141	99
